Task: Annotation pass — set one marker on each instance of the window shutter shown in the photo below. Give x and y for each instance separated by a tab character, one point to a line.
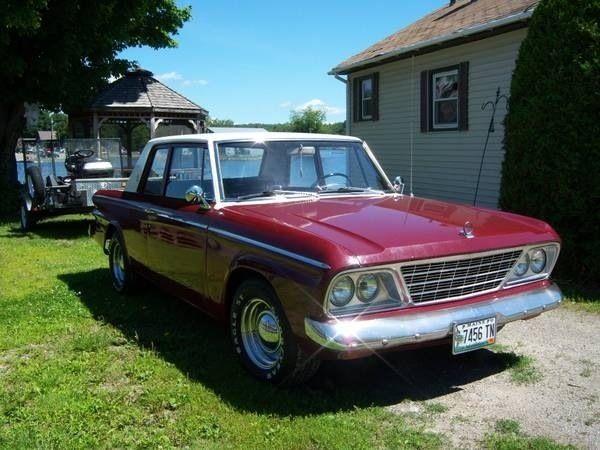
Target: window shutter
376	96
356	99
463	96
425	101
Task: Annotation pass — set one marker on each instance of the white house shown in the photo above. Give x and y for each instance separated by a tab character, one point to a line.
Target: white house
418	95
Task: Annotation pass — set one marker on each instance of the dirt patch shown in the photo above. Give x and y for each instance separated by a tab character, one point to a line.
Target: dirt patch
544	374
563	403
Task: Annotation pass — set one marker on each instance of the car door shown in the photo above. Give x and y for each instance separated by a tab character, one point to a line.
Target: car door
178	230
134	220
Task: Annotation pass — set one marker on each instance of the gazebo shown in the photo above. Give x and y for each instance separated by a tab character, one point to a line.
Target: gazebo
138	99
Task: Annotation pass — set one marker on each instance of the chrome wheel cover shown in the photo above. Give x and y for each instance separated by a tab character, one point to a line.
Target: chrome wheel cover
118	264
30	187
24	221
261	334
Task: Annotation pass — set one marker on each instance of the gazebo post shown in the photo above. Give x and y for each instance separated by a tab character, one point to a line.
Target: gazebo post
129	141
96	131
152	126
96	127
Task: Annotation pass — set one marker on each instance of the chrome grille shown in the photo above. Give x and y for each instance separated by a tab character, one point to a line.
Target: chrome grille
442	280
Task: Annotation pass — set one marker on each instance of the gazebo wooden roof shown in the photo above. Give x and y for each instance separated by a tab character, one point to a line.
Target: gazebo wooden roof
138	90
134	99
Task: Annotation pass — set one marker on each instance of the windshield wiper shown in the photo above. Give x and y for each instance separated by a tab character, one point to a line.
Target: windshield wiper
352	189
275	192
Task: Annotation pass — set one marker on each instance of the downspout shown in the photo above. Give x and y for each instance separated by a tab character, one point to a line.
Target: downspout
345	81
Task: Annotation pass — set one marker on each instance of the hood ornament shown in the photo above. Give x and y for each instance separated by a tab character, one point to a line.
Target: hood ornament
467	230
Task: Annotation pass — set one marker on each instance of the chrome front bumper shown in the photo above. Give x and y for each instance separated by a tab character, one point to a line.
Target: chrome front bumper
348	334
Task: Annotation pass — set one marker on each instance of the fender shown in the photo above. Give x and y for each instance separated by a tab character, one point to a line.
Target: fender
299	287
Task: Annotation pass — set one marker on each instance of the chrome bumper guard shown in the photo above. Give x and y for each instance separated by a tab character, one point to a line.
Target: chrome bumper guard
348	334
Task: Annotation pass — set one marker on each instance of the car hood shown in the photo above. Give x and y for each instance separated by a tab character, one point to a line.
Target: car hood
389	228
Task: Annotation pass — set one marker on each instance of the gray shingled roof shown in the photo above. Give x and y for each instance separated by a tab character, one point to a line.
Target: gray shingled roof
445	22
138	89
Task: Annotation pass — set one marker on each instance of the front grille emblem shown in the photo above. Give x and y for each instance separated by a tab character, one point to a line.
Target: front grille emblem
467	230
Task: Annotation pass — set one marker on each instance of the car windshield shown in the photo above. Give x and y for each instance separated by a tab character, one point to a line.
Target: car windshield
296	168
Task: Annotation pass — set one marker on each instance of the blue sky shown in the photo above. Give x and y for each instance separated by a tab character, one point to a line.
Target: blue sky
255	61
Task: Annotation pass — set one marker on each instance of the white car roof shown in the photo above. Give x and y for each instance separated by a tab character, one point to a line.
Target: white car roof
260	136
253	136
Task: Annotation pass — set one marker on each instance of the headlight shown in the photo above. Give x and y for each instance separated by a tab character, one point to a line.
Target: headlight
538	260
342	291
522	266
356	291
535	263
367	287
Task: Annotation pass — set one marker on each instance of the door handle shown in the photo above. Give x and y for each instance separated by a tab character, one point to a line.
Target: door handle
150	213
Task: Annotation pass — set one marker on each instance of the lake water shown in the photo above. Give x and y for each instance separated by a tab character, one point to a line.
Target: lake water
46	167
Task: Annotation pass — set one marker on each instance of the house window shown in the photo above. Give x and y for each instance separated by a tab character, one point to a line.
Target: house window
444	95
445	99
366	98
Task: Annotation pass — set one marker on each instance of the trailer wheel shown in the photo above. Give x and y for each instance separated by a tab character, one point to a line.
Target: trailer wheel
35	184
28	217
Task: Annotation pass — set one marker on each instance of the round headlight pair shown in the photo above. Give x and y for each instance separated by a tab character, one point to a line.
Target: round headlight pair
342	291
367	287
536	261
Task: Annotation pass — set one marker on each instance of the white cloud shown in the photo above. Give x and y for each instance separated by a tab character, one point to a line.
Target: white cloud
170	76
177	78
194	82
317	103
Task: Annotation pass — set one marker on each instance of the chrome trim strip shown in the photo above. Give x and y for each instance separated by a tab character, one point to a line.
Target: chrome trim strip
403	329
157	211
271	248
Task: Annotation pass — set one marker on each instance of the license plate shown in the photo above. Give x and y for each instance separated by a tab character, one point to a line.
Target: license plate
470	336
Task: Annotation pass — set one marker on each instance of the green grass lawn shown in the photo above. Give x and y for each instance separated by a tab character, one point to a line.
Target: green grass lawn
81	366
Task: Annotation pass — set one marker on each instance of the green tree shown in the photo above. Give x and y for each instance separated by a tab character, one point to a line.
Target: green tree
220	122
309	120
59	53
552	158
59	123
334	128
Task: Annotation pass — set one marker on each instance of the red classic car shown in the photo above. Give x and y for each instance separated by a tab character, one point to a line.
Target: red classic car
306	250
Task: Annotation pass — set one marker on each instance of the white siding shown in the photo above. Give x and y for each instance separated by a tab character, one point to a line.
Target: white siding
445	163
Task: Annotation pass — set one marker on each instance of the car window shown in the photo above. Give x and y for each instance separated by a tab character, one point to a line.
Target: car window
190	166
303	171
155	176
335	162
239	161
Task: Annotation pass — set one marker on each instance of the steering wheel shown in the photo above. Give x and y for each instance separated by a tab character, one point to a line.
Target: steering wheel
329	175
84	153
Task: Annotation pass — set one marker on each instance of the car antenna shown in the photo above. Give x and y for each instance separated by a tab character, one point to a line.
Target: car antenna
412	125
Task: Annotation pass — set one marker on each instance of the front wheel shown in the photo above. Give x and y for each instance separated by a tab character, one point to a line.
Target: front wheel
263	339
123	278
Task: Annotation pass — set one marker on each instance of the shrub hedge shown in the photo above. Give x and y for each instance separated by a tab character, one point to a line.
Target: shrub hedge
552	164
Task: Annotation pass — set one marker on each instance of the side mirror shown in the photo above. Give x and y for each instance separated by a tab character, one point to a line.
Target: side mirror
399	185
195	195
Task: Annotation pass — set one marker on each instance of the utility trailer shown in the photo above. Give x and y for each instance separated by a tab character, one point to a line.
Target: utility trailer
87	165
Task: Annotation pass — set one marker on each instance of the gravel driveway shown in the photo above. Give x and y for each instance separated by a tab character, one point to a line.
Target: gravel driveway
464	396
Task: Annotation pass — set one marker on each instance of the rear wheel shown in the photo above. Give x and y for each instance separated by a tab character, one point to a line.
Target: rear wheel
27	217
35	184
263	339
123	278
